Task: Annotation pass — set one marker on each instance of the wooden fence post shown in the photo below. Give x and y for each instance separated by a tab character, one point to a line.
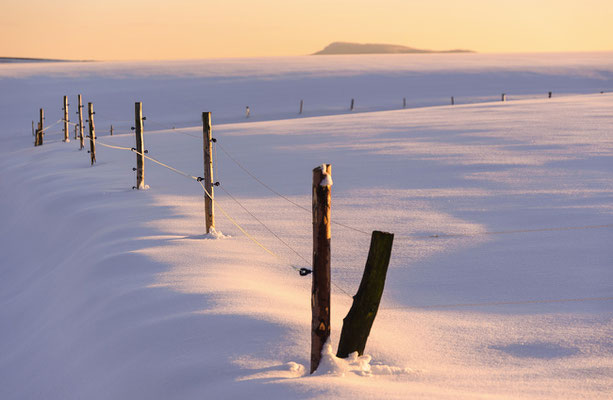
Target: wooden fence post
41	128
301	104
320	293
207	147
140	158
404	102
76	131
33	132
352	104
504	97
66	133
361	316
550	94
452	101
111	130
92	133
247	112
80	111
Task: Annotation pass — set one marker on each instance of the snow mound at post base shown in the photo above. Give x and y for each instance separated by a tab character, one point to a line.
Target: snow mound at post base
354	364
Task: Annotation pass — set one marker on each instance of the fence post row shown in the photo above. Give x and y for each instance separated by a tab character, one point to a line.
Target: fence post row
80	111
140	157
207	147
66	133
92	133
320	293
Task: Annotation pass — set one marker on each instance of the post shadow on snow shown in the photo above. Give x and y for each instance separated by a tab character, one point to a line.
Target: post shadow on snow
540	350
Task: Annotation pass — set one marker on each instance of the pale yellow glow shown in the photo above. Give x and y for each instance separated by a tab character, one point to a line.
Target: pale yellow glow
154	29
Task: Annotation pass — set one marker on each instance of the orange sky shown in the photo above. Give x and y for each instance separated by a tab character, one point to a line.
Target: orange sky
154	29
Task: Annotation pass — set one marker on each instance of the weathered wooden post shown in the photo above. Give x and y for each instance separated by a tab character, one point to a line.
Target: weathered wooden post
247	112
75	131
207	145
111	130
504	97
404	102
358	322
140	155
320	293
66	133
80	111
33	132
550	94
352	104
301	104
92	133
452	101
41	129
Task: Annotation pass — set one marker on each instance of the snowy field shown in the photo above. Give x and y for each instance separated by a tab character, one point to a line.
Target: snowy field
500	284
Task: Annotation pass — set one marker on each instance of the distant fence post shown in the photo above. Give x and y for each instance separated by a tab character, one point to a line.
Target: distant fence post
38	141
504	97
352	104
66	133
358	322
452	101
207	144
92	133
301	104
75	131
80	111
550	94
404	102
247	112
320	293
140	158
33	132
111	130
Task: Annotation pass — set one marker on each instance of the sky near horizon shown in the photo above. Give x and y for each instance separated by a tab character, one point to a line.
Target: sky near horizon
155	29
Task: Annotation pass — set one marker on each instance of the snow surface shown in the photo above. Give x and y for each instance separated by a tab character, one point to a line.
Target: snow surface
108	292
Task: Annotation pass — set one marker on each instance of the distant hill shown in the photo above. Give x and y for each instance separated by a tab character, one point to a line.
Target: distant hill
374	48
7	60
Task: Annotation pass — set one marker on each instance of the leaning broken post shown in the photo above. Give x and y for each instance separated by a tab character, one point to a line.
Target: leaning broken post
358	322
80	111
92	133
207	144
320	294
140	155
66	132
